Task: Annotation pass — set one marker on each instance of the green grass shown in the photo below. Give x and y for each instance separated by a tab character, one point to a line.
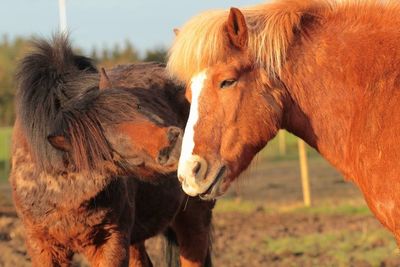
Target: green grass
5	142
244	206
330	209
342	248
271	151
5	151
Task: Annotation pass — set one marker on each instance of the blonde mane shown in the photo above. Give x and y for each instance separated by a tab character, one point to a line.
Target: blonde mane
200	43
271	26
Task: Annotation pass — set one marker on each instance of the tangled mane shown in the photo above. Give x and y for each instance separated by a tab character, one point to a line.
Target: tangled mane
49	78
86	121
271	26
82	123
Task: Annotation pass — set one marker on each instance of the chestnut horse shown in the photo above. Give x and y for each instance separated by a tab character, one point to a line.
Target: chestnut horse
327	72
93	162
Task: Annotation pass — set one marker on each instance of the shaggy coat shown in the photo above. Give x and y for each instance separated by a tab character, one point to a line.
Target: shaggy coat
84	177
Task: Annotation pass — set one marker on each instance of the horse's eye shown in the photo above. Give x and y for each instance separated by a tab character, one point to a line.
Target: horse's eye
227	83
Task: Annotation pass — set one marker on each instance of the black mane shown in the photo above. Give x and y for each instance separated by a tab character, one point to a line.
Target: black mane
48	79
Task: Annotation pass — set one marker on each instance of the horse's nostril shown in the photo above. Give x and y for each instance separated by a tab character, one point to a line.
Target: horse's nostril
196	168
163	156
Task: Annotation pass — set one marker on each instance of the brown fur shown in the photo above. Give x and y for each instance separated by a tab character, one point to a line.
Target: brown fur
337	87
105	215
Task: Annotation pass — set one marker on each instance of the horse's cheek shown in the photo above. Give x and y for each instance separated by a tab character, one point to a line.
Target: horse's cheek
231	144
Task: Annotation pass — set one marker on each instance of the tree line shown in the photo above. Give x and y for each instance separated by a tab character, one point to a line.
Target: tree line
11	51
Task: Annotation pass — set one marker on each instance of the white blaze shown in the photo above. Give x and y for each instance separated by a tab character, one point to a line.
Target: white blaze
197	84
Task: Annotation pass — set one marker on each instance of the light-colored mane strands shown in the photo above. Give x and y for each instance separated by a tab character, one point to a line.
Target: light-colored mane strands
200	43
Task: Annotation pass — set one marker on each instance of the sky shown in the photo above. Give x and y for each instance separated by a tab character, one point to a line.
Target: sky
103	23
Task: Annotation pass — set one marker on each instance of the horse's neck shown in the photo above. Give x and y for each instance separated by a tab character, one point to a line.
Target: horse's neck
343	91
325	130
322	116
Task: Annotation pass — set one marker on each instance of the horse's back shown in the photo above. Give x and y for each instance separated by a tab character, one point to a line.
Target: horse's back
150	75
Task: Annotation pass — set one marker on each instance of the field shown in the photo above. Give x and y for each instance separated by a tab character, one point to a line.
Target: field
5	145
262	221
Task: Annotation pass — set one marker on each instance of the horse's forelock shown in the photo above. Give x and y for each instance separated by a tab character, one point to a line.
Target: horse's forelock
198	45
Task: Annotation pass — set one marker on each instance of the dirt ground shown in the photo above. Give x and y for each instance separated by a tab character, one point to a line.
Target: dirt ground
239	240
261	223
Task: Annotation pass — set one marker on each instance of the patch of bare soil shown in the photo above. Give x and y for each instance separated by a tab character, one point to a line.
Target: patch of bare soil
239	239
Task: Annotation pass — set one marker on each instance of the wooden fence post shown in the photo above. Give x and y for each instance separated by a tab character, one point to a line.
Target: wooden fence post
305	180
282	143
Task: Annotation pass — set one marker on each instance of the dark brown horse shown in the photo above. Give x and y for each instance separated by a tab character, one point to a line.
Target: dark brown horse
93	168
326	71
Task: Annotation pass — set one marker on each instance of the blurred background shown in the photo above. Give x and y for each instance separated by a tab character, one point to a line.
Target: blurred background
273	215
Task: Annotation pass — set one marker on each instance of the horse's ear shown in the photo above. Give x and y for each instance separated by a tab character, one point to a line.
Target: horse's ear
176	31
104	80
236	29
59	142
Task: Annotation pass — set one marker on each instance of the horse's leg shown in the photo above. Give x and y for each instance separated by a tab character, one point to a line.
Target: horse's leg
111	248
45	253
192	226
138	256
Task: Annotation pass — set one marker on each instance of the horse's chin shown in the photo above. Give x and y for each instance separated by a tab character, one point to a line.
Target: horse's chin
218	186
